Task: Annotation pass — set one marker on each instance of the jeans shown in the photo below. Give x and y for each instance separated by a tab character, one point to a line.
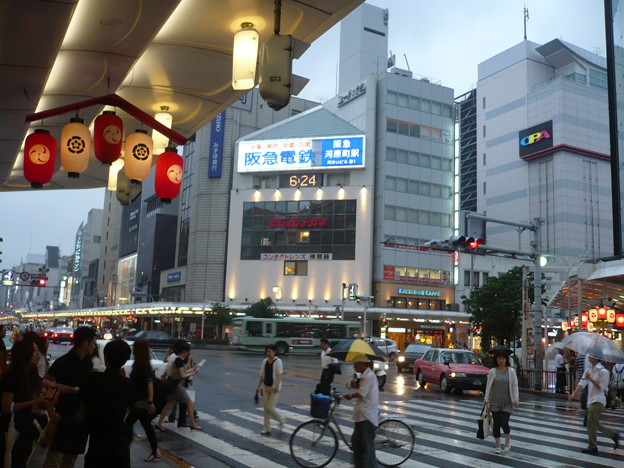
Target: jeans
363	442
146	421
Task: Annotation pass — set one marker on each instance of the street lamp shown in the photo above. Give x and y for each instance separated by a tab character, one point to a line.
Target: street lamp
277	290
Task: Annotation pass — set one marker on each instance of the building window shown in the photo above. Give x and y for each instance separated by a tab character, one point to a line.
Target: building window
484	159
475	279
484	188
466	278
297	268
484	131
484	102
486	276
97	239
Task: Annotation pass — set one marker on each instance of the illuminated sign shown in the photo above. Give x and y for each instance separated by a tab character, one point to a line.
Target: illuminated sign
317	221
295	256
301	153
418	292
536	138
173	277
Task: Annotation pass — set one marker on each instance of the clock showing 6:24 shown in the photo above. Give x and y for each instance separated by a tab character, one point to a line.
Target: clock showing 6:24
301	180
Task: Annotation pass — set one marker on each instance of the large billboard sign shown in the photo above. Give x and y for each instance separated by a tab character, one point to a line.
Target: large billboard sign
301	154
536	138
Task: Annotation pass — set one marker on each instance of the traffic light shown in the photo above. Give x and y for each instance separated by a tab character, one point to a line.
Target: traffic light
39	281
276	71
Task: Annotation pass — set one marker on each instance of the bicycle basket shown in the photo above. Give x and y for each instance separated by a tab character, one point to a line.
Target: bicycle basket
319	405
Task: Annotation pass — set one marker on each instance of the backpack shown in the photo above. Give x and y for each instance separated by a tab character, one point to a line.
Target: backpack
618	378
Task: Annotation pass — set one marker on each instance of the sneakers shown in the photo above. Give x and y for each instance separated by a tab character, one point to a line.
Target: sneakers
497	450
265	433
616	441
590	450
281	425
508	447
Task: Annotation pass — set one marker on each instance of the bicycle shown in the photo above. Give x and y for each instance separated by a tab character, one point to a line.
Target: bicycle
314	443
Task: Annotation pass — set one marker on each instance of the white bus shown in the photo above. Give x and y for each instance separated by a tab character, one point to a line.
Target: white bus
289	334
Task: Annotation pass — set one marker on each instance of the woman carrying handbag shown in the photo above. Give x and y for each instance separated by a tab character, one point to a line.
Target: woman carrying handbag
501	397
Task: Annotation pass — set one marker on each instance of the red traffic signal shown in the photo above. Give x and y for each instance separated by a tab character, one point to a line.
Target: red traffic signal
42	281
474	243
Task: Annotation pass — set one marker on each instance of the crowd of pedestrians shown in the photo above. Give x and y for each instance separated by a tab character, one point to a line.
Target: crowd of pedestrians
69	408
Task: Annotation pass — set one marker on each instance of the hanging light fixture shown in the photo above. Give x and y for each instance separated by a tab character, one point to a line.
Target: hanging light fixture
108	137
169	167
113	170
564	326
611	315
593	315
245	57
138	159
161	141
126	192
39	157
75	147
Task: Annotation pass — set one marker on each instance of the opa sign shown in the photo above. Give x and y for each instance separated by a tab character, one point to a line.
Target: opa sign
536	138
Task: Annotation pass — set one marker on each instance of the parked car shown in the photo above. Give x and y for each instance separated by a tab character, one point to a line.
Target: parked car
405	360
156	339
387	345
98	364
451	368
62	334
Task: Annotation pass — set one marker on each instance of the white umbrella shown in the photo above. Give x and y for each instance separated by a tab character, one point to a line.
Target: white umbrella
594	345
553	350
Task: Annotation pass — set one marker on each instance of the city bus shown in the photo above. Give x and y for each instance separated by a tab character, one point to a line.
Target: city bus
289	334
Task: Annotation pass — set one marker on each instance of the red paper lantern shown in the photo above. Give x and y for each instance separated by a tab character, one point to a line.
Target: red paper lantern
619	320
602	313
108	137
169	167
39	157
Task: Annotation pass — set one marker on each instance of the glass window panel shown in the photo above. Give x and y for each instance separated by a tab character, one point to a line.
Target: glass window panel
425	105
389	212
280	208
401	214
413	159
412	187
390	154
339	206
436	190
424	188
290	268
247	222
403	99
436	108
425	160
339	221
304	208
315	207
402	156
436	163
350	206
435	219
315	237
292	207
423	217
415	131
390	183
392	126
339	237
447	111
350	221
350	237
414	103
393	98
403	128
327	208
412	216
326	237
401	185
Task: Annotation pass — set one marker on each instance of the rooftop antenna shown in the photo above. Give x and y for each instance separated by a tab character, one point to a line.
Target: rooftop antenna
526	18
408	68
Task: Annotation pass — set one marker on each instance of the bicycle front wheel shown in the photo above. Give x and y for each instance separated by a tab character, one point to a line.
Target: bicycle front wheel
394	442
313	444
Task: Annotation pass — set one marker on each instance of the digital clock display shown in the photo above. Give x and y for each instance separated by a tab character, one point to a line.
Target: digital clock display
302	179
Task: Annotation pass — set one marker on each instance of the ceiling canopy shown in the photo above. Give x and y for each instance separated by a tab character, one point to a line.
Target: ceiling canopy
155	54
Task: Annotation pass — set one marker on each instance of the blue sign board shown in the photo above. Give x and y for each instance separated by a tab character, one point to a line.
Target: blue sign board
301	154
217	130
173	277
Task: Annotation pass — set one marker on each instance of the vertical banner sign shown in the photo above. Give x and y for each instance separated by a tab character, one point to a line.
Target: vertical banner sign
216	145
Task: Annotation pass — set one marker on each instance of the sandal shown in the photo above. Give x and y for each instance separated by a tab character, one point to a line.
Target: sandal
153	456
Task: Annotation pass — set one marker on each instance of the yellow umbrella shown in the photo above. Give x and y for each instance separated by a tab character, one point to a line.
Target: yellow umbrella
349	350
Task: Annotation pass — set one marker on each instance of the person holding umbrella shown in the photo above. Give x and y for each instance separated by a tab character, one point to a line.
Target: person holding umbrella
596	378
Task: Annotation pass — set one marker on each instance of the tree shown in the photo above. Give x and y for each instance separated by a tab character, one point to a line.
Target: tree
219	316
496	307
264	308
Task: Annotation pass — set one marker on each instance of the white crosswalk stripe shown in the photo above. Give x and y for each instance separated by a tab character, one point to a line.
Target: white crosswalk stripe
544	434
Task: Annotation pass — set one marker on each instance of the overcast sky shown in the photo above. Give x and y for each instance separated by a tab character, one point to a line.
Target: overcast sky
444	40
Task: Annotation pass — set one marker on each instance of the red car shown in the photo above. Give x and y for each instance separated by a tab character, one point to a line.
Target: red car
62	334
451	368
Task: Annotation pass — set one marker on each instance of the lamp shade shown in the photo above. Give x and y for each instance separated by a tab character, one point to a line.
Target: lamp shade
113	170
138	160
593	315
619	320
610	315
602	312
161	141
75	147
245	57
169	167
107	137
39	157
564	325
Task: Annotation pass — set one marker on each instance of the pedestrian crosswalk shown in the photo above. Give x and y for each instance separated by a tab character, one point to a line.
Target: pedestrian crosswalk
544	434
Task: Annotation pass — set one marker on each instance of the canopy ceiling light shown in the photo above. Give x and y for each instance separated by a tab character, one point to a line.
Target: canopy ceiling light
161	142
113	170
245	57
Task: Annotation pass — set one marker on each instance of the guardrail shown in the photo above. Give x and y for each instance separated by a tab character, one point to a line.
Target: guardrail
544	380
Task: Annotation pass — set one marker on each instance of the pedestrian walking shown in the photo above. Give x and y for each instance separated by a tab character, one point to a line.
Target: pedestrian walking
365	414
560	364
501	397
617	382
328	368
270	384
107	396
21	395
143	409
596	379
68	427
177	372
3	351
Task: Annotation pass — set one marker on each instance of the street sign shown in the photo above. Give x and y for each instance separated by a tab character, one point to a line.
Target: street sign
24	276
8	278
